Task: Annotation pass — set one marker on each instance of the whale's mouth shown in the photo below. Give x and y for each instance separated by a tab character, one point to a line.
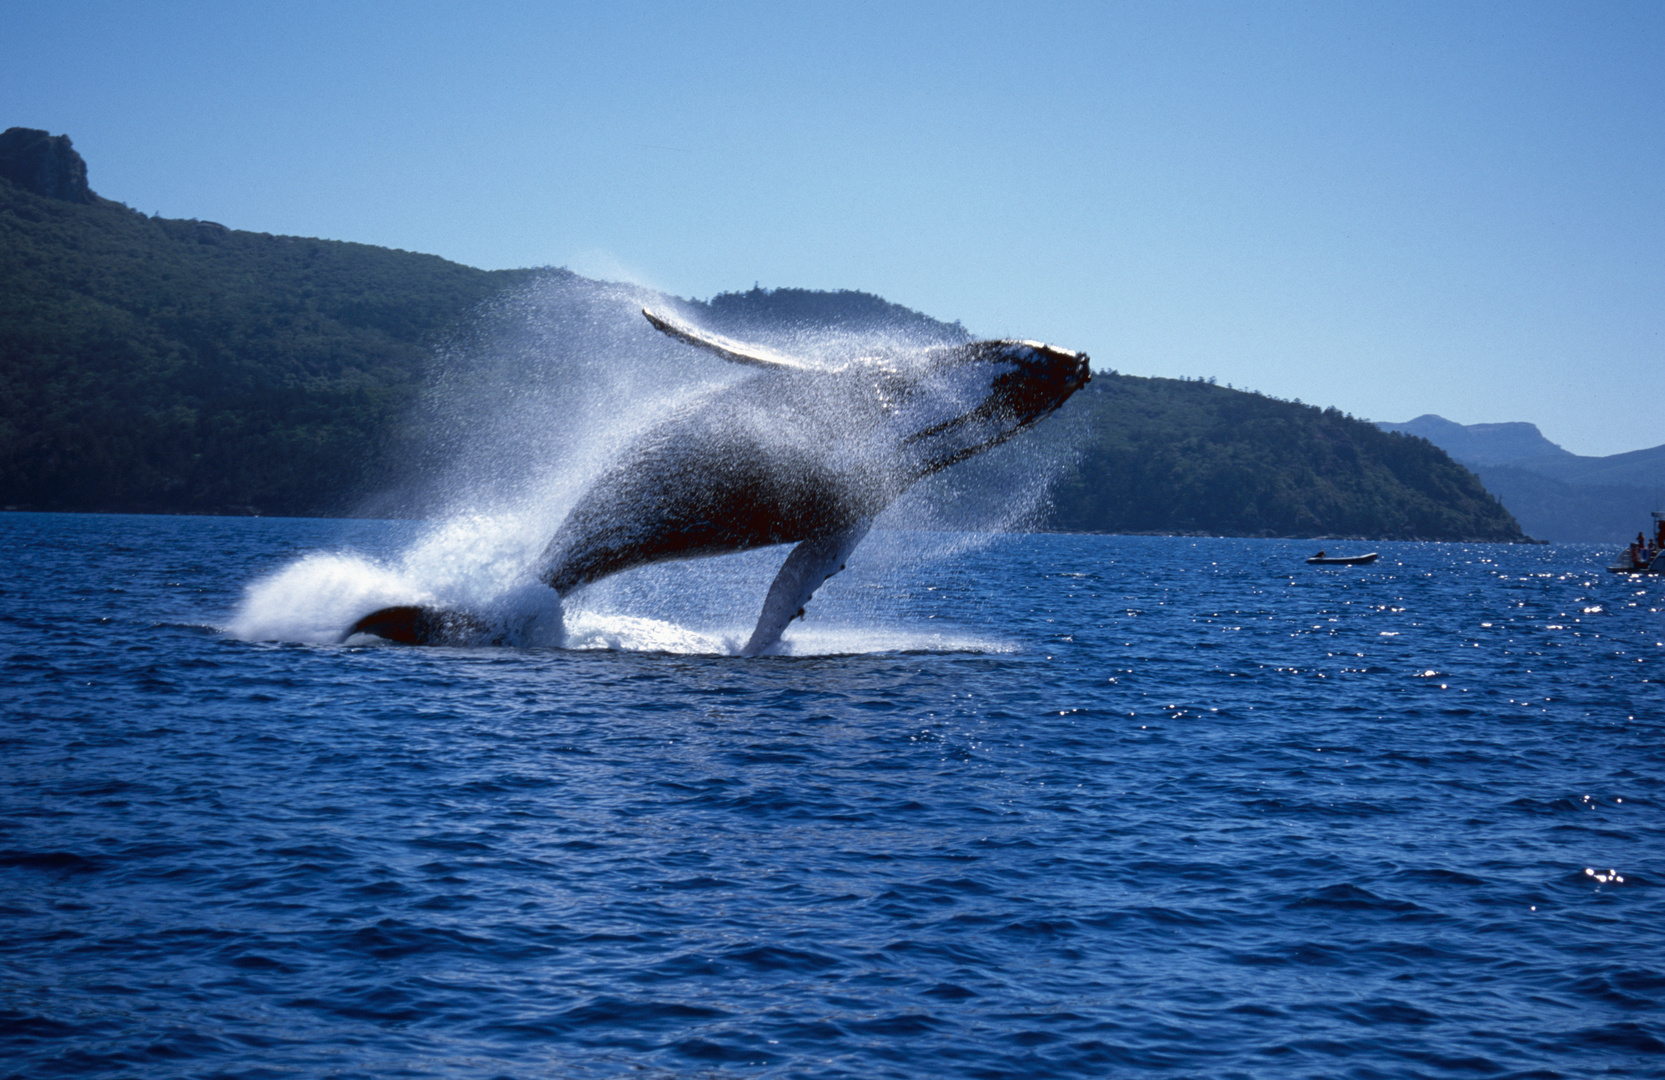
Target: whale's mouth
1044	378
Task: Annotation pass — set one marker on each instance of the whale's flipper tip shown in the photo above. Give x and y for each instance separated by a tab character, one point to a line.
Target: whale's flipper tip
409	624
658	322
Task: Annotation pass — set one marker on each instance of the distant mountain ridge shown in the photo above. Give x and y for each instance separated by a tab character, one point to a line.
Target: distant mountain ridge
1481	444
1555	494
159	365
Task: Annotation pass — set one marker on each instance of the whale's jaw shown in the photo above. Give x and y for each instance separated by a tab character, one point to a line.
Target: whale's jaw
988	392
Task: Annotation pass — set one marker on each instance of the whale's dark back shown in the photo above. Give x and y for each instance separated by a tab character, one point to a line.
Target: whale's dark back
789	455
774	460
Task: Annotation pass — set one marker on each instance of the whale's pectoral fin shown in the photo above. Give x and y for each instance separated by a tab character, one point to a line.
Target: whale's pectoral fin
811	563
411	625
732	351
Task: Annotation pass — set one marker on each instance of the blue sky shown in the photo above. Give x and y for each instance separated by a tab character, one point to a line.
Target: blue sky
1391	208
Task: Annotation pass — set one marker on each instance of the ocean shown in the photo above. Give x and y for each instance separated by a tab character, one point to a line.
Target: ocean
1017	806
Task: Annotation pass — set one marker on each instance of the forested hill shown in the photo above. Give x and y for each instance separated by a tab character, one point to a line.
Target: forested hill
160	365
1176	456
153	364
807	309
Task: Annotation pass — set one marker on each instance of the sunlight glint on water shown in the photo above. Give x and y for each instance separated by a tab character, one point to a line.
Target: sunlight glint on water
1043	806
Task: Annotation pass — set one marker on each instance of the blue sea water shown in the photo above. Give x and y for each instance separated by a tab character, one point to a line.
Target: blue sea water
1020	806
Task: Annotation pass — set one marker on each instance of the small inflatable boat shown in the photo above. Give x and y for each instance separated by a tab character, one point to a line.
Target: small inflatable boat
1322	559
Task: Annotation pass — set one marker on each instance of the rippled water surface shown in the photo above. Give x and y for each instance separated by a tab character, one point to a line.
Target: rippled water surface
1034	806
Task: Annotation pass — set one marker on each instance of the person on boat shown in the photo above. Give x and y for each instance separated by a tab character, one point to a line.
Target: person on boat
1320	554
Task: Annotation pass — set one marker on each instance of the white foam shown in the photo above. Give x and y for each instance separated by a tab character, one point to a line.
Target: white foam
636	633
597	630
314	599
836	640
475	563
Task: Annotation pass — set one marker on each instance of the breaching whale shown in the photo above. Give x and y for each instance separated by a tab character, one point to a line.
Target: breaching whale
798	454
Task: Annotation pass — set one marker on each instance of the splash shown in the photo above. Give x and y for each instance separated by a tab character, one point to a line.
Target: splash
473	562
539	398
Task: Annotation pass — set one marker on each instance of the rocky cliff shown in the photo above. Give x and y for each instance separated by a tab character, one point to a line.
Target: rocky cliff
44	164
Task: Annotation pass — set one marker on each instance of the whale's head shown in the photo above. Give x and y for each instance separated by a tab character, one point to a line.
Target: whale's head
976	396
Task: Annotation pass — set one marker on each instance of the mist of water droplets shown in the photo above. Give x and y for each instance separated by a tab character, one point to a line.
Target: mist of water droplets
543	392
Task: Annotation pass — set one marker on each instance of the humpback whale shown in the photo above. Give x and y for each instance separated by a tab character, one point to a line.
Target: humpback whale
797	454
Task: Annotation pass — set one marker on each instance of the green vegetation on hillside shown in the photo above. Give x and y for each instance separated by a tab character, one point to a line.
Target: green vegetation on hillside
179	366
844	309
152	364
1171	456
